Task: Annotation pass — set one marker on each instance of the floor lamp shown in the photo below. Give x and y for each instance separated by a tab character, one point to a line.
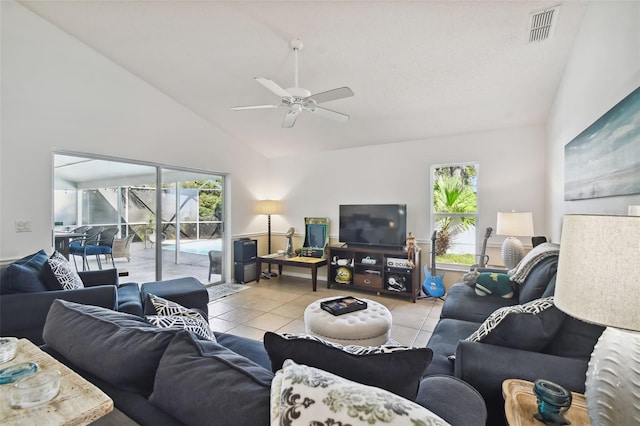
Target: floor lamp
598	282
269	207
512	225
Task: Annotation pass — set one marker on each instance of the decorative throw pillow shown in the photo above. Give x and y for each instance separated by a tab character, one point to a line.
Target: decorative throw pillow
397	369
34	261
528	327
18	278
174	315
200	382
122	349
491	283
58	274
303	395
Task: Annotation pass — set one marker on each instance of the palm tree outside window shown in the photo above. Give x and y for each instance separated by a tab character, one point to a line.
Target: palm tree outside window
454	212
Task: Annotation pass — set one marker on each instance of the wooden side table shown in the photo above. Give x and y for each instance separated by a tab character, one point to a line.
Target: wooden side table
520	405
78	402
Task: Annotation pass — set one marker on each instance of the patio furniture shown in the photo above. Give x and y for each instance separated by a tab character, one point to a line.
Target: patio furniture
87	245
215	263
105	243
121	247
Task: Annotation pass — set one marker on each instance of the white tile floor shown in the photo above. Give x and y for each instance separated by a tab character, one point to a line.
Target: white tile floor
278	305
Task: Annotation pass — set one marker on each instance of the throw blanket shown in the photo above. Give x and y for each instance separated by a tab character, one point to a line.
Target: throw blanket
531	259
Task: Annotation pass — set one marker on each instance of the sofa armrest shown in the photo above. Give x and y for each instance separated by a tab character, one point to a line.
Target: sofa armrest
453	400
101	277
486	366
23	315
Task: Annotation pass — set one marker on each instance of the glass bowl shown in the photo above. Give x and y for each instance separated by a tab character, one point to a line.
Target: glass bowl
35	389
8	348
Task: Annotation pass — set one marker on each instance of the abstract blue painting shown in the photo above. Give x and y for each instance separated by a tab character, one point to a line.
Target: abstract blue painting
604	160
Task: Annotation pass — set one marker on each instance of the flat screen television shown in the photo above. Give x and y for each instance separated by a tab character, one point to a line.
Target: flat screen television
373	224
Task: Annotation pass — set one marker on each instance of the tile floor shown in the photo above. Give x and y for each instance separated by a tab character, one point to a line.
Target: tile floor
278	305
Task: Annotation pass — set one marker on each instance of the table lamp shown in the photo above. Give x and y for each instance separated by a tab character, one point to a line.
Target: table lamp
512	225
598	282
269	207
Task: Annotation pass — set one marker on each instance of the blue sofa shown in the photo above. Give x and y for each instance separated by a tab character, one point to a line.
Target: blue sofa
28	288
171	377
552	345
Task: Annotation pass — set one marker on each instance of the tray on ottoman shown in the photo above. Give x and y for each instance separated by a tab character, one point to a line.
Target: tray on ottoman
343	305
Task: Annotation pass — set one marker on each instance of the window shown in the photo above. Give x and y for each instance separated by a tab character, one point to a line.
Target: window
454	212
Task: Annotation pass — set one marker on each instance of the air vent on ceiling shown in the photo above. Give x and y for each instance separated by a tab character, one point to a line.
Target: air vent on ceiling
542	24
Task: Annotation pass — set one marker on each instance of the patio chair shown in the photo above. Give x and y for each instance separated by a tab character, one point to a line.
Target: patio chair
105	243
122	247
87	245
215	263
80	229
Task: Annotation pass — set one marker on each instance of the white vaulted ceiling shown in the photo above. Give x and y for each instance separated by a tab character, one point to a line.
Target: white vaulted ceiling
418	68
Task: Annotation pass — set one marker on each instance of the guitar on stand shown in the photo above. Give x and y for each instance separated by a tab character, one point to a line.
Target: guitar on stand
470	277
432	285
484	259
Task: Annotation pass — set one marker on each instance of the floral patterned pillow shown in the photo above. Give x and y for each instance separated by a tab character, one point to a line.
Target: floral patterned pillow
302	395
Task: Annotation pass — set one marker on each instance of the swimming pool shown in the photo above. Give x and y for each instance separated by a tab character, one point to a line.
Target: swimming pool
201	247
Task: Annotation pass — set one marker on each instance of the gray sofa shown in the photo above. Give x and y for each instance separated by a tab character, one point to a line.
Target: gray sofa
170	377
28	288
549	345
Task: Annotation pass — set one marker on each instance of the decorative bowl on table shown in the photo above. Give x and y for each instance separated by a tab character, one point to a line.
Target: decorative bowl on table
8	348
35	389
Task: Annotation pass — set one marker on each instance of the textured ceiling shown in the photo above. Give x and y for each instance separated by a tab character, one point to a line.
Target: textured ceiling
418	68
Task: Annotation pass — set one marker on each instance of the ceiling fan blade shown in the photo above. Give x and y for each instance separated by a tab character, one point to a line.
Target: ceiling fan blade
290	119
241	108
273	86
331	95
334	115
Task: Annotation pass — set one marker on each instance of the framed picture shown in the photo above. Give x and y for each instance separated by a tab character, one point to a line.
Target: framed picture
603	160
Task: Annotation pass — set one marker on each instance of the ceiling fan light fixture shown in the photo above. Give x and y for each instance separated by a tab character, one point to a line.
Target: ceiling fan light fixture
299	99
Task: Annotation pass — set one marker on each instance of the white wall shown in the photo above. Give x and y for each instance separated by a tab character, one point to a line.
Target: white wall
59	94
604	67
511	176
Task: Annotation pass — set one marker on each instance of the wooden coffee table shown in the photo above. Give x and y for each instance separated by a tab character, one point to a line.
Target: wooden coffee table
299	261
520	405
78	402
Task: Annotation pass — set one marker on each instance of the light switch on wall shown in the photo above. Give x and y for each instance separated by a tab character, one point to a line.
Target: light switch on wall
23	225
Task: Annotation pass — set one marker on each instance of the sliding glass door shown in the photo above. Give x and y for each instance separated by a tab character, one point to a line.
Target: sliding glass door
192	228
169	218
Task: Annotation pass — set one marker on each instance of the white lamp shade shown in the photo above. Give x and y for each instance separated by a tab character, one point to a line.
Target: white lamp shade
598	282
269	207
515	224
598	276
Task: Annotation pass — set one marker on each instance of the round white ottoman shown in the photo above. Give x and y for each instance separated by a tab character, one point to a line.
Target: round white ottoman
366	327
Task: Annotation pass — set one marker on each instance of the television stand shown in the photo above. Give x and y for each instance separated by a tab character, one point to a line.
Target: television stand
373	268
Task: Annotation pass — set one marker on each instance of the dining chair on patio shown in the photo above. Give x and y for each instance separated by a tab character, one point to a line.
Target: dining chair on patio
105	243
215	263
87	245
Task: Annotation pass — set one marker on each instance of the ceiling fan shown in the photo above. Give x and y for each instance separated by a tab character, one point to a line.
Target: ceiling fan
298	99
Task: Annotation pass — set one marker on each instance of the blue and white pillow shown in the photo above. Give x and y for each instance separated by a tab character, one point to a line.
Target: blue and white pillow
173	315
64	272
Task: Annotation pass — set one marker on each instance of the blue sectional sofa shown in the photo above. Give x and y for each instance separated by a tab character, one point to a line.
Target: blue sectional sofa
548	345
28	287
168	377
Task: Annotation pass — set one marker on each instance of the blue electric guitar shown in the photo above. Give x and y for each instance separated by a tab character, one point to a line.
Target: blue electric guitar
432	285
